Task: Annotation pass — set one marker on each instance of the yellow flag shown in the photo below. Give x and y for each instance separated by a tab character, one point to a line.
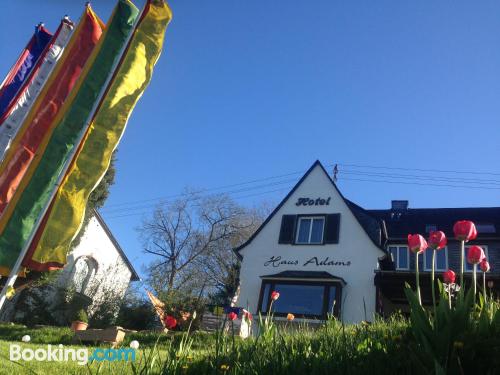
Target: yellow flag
65	217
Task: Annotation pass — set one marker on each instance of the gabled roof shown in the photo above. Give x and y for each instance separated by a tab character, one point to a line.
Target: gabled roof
400	223
370	225
134	276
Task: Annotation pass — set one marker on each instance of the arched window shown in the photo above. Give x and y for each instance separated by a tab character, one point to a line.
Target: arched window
83	270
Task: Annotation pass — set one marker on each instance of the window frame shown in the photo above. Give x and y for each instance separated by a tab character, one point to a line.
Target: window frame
484	247
297	229
446	260
326	296
396	261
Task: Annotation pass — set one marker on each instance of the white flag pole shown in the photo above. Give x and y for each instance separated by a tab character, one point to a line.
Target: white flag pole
17	266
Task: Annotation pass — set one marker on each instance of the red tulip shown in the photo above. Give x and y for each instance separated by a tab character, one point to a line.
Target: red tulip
465	230
275	295
232	315
484	265
449	277
475	255
417	243
170	322
437	240
247	315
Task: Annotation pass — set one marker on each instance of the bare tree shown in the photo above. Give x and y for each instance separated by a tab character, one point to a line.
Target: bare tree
191	239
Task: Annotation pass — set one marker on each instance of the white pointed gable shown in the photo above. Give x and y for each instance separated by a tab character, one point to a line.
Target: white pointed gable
322	198
353	259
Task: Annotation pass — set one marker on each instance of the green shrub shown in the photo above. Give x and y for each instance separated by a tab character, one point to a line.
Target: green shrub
81	316
140	316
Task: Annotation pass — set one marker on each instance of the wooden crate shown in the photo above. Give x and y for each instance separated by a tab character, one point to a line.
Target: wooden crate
112	335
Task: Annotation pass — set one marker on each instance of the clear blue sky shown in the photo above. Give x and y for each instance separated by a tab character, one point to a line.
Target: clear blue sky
250	89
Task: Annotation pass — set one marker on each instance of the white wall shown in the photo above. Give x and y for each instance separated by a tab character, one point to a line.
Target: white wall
112	271
354	246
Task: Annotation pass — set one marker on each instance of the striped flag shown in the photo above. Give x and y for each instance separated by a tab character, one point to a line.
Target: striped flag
33	194
12	119
21	70
64	218
41	119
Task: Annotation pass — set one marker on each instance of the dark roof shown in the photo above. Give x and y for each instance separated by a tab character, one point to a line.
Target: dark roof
415	220
135	276
371	225
373	231
303	275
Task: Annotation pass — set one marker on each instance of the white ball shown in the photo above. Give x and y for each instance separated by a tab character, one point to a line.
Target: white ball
26	338
134	344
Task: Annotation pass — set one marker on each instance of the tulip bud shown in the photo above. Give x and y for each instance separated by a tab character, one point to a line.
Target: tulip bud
26	338
475	255
290	317
232	315
247	315
484	265
449	277
417	243
465	230
275	295
437	240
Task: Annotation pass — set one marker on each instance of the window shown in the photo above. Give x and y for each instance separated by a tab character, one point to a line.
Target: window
310	230
82	273
467	265
486	228
430	228
441	259
302	298
400	256
319	229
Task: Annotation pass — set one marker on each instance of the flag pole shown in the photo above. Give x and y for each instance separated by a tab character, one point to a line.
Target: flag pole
17	266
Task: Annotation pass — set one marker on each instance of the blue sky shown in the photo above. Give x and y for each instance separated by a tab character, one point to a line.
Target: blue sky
249	90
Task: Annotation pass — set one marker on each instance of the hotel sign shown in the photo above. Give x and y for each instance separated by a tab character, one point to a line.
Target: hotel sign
305	201
277	261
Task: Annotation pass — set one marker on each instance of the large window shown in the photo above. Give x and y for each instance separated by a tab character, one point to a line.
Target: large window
302	298
468	266
310	230
441	259
400	256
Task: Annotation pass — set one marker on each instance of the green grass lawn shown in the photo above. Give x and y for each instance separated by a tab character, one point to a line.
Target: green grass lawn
332	349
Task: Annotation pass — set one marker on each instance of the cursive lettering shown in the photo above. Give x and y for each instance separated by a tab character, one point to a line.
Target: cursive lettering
276	261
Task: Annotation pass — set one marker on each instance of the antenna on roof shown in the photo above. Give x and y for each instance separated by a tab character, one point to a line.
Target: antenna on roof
335	172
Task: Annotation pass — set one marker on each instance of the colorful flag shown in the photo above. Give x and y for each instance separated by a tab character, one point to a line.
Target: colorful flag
42	117
37	186
13	118
21	70
64	218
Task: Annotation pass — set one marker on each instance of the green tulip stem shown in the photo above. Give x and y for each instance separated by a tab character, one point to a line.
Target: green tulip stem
475	280
484	286
449	295
433	286
462	250
417	279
